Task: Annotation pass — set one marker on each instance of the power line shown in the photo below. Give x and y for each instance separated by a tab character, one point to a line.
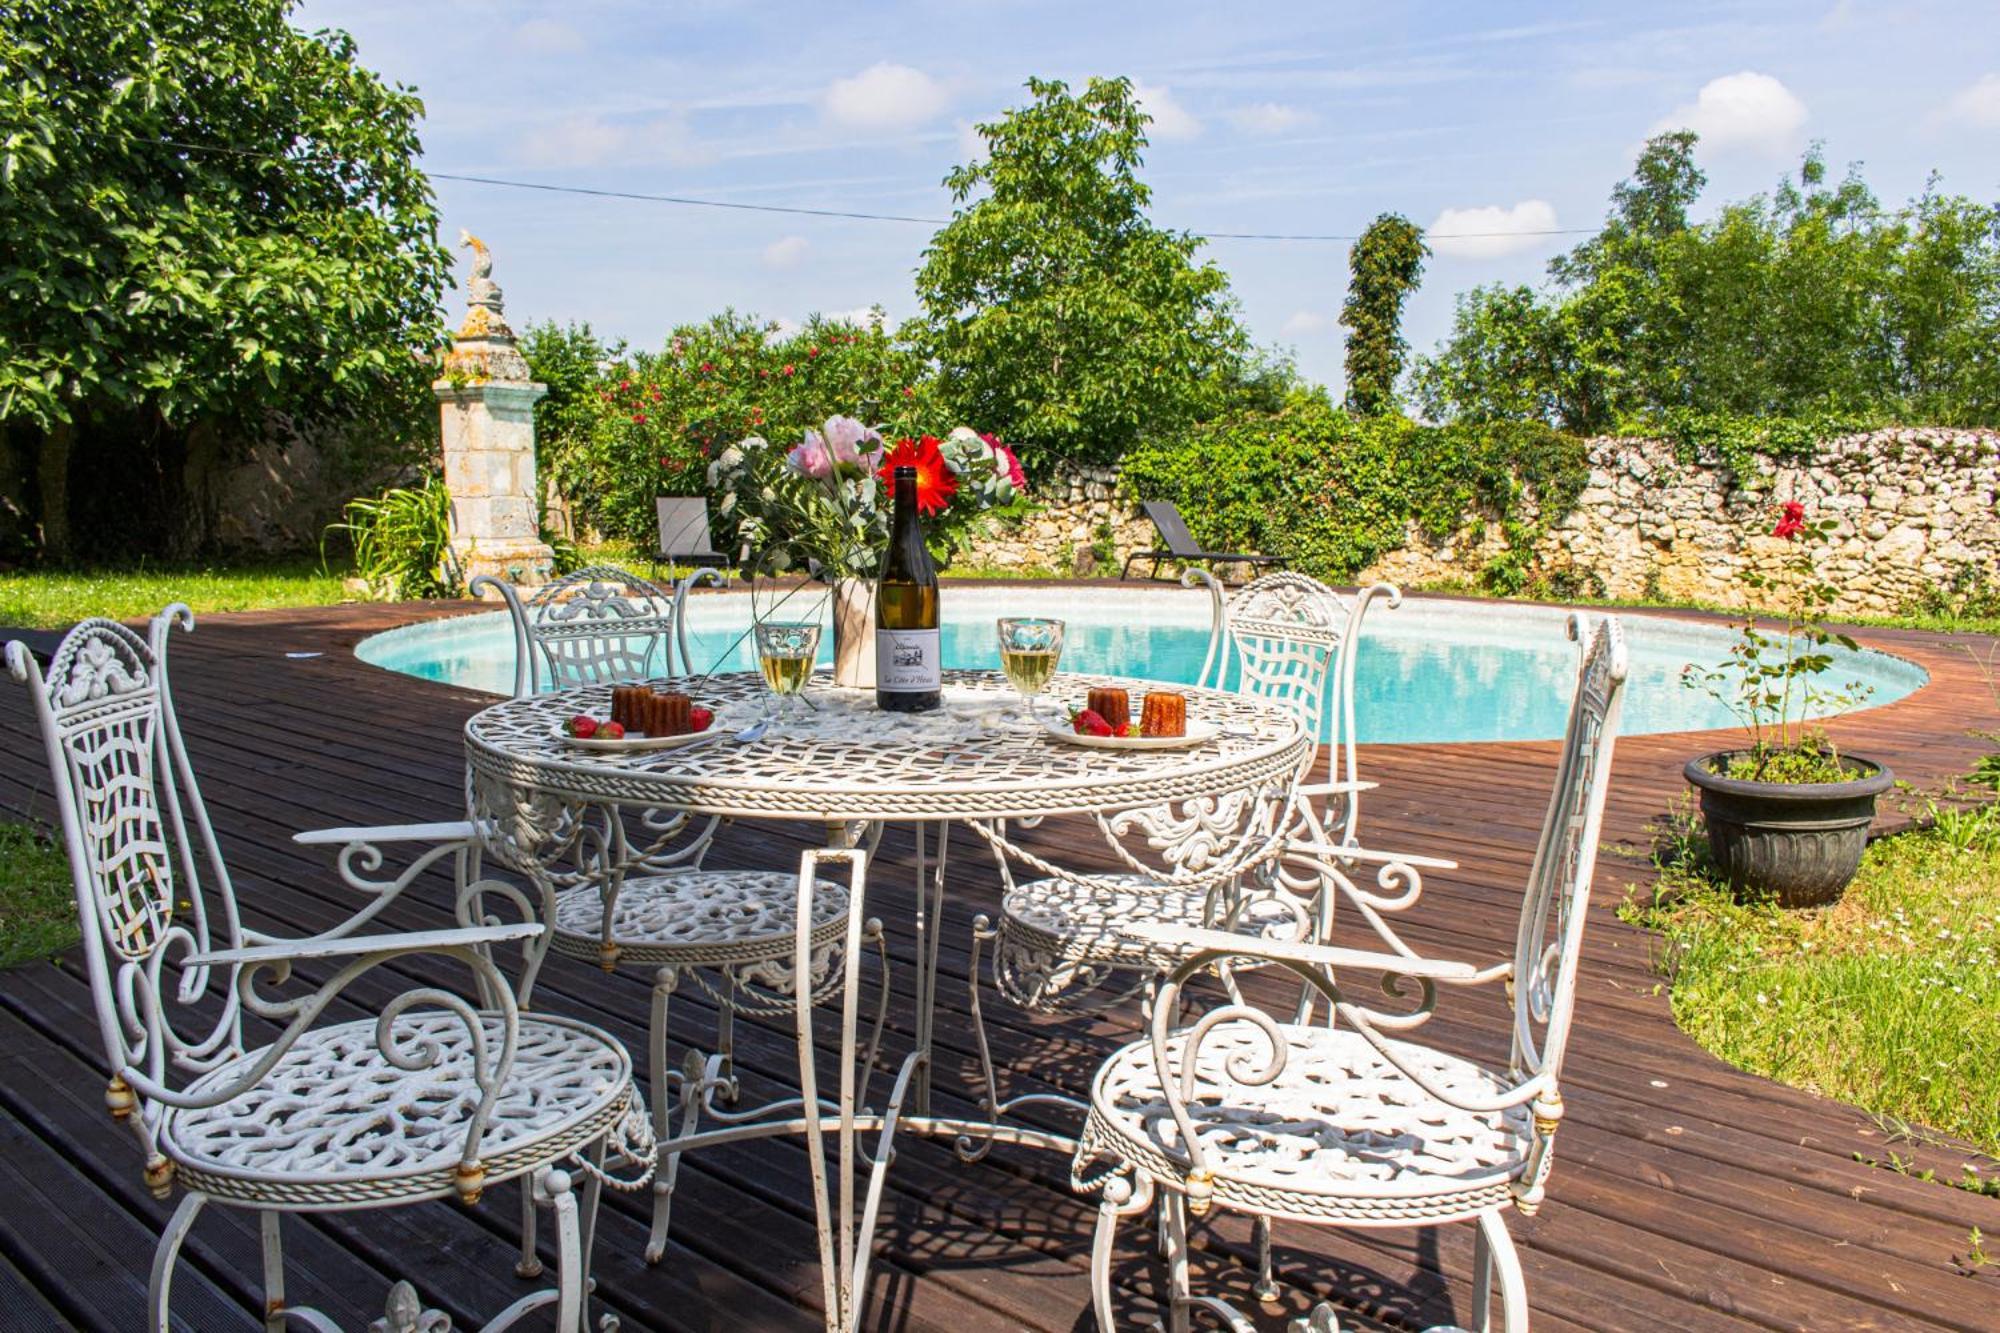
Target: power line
686	201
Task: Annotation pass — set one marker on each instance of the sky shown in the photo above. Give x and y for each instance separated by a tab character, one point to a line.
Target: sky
1494	123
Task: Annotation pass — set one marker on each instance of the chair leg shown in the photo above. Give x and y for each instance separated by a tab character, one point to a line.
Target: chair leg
664	982
1100	1261
1266	1288
982	933
1179	1291
1505	1265
158	1293
725	1042
274	1271
553	1188
529	1265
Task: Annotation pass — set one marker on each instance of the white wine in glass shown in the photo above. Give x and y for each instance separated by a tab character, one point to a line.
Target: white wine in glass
785	654
1030	648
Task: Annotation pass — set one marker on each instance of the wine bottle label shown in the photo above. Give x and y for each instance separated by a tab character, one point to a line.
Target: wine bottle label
907	660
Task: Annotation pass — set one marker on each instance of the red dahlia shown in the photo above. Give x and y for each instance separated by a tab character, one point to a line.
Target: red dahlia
935	482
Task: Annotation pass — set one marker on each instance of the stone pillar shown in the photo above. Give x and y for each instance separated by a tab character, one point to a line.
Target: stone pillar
487	405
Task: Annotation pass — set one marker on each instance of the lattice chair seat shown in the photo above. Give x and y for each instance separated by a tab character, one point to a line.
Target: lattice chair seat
336	1123
699	918
1071	920
1339	1135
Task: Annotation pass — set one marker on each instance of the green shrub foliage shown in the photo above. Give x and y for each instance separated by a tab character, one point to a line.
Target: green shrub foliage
621	427
1332	492
1384	267
1812	302
209	216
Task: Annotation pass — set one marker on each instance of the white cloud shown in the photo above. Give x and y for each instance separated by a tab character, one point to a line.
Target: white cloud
971	143
578	141
1747	110
783	327
1171	120
1269	118
864	316
548	37
1305	324
785	252
1490	231
885	96
1977	106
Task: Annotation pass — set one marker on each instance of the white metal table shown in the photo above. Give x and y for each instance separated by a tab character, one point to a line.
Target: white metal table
977	760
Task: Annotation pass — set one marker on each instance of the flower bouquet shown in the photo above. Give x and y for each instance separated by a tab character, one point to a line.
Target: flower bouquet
822	507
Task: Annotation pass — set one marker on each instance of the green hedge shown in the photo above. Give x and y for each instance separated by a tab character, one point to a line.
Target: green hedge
1332	492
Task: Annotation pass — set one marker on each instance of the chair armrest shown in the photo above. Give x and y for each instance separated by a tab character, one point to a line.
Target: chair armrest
348	946
1196	939
1336	852
454	830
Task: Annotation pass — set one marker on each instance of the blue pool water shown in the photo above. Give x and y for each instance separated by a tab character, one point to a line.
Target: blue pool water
1429	670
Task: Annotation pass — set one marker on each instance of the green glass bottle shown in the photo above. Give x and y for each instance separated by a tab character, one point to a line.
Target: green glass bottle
908	672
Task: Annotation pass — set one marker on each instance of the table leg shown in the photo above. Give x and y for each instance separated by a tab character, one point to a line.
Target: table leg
930	923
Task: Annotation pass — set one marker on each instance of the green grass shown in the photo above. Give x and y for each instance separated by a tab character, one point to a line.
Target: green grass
37	907
55	598
1885	1000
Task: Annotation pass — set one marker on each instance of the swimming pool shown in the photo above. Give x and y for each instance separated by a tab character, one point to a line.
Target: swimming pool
1430	670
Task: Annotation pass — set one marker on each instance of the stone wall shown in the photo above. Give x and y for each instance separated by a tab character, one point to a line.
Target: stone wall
1914	506
1076	510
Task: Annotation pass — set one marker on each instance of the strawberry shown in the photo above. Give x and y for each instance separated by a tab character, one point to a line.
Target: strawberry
610	731
699	719
1088	722
583	726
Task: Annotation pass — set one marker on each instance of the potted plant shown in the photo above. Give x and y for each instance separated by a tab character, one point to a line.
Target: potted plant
822	507
1787	814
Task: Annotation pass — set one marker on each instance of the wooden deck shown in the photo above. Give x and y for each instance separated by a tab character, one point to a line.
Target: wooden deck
1686	1194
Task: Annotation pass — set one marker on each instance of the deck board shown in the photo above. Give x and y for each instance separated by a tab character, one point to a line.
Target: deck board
1686	1194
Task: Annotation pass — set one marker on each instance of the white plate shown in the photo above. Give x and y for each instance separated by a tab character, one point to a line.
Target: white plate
1197	733
630	742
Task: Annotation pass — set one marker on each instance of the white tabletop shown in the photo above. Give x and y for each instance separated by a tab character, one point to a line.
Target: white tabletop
977	757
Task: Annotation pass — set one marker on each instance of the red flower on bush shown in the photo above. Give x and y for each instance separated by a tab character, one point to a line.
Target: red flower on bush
638	418
935	483
1793	521
788	367
812	351
707	367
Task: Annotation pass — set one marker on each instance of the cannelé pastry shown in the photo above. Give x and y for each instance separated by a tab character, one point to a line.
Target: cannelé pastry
1112	704
1163	714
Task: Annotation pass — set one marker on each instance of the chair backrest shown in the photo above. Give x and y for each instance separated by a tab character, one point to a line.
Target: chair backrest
1550	937
684	526
141	849
1290	639
1172	527
598	626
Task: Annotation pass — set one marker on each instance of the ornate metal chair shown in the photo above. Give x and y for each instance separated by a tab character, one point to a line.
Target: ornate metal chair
1061	943
636	891
436	1097
1348	1121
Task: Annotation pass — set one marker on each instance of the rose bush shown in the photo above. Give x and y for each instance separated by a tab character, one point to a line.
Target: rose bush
650	423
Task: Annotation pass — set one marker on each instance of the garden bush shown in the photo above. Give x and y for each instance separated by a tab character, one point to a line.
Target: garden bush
1333	492
644	424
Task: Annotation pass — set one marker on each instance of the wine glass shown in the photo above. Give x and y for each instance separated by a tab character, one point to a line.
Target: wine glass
785	653
1030	647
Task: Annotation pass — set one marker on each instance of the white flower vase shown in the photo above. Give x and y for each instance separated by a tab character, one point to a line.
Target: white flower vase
854	633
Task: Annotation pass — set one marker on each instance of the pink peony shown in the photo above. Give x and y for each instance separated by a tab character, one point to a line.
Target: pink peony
846	437
812	457
1008	462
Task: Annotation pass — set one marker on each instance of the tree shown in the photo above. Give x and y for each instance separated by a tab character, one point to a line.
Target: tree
1384	267
1812	301
1057	314
208	216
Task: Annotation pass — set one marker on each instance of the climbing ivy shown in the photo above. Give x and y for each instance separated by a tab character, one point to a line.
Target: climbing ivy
1333	492
1384	268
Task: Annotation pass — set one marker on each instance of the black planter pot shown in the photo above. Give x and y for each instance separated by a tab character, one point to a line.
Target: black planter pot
1800	842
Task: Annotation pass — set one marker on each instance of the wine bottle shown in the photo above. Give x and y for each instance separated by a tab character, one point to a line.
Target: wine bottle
907	668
